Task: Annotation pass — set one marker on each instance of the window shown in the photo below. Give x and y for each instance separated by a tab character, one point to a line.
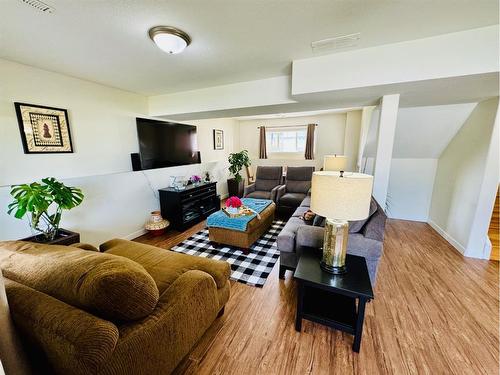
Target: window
291	140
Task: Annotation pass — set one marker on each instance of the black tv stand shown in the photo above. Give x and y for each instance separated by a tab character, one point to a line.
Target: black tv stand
184	208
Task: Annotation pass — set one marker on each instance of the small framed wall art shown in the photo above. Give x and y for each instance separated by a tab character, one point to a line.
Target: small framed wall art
44	130
218	139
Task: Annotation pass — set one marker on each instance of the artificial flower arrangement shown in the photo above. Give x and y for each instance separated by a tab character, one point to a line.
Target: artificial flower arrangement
235	208
233	202
194	179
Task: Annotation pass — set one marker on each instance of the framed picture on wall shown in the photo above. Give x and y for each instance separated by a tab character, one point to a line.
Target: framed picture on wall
218	139
44	130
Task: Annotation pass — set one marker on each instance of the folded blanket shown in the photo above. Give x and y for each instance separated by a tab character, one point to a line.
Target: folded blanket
220	220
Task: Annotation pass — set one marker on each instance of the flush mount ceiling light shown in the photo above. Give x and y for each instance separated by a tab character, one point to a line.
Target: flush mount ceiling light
169	39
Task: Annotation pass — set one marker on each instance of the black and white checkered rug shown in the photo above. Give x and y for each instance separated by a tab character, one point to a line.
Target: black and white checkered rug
252	269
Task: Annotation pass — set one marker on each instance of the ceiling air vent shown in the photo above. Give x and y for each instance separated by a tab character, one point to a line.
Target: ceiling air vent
40	5
339	42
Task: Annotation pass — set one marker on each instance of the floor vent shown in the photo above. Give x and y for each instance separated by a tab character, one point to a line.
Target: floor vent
39	5
339	42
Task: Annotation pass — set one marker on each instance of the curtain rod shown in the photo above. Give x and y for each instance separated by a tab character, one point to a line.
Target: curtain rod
285	126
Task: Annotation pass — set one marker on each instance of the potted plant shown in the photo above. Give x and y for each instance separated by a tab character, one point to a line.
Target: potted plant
43	203
237	161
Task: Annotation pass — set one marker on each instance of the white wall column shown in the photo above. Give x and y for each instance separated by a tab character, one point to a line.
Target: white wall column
389	106
478	245
366	117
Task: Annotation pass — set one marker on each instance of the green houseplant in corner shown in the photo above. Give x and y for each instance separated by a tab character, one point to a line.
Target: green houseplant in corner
43	203
237	161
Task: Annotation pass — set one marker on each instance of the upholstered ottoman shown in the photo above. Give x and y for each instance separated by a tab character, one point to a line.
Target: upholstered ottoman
244	239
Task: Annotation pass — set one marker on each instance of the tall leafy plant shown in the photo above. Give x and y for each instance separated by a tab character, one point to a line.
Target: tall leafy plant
237	161
43	203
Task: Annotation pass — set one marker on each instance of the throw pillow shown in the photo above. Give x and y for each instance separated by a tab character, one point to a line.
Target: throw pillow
308	216
319	221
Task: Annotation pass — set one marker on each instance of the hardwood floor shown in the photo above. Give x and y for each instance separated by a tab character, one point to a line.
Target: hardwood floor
435	312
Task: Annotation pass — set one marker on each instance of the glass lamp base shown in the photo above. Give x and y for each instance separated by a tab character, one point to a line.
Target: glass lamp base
331	269
335	246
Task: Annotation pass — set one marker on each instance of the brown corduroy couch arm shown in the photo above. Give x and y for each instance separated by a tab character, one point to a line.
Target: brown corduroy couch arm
74	341
156	344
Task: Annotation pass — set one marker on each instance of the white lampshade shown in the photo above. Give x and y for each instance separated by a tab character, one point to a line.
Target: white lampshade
341	198
335	163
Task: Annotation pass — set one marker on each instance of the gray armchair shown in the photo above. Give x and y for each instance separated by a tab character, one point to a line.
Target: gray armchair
297	185
366	238
267	182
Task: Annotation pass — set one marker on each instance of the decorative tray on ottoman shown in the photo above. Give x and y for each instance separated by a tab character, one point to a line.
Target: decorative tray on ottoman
241	211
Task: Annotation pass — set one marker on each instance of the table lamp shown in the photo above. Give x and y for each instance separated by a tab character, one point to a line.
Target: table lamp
339	198
335	163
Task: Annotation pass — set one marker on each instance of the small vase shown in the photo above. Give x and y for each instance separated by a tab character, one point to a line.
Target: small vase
156	224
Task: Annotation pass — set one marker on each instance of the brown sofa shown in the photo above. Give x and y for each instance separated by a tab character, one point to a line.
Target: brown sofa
134	309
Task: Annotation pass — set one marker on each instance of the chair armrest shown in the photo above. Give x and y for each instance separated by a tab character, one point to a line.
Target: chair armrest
279	191
249	189
183	314
310	236
74	341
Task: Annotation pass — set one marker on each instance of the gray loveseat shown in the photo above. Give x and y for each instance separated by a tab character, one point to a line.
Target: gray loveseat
365	238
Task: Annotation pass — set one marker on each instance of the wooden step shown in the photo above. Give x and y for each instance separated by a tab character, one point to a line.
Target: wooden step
494	230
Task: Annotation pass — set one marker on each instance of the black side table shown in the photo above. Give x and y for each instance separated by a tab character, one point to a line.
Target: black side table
331	299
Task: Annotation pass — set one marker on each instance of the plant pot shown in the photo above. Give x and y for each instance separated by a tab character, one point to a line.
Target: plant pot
63	237
234	188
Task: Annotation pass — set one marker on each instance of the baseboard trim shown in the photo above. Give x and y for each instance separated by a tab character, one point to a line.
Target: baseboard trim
447	237
134	235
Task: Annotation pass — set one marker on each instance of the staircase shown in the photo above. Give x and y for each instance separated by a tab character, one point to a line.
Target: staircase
493	232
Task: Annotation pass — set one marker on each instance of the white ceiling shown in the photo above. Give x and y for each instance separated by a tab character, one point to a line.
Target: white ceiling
233	40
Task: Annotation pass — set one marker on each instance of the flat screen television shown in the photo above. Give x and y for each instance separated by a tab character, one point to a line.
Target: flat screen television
166	144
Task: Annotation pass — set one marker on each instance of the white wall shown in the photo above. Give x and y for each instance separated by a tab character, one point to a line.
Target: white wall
410	188
422	133
102	124
102	119
455	54
459	176
330	138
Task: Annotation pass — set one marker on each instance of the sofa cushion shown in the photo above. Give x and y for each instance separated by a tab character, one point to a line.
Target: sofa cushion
267	178
112	287
166	266
299	173
286	238
291	199
259	194
306	202
357	225
298	186
298	179
300	211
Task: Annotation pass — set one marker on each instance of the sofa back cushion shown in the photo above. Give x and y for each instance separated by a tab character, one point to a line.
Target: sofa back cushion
267	178
109	286
298	179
